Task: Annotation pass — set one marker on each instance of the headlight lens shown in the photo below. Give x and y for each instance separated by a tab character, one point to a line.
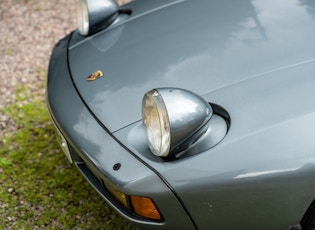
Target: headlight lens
155	118
83	17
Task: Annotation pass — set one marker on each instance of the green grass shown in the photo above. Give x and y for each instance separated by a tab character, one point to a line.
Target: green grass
39	188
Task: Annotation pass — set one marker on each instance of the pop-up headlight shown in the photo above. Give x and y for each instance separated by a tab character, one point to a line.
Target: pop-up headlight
174	119
94	16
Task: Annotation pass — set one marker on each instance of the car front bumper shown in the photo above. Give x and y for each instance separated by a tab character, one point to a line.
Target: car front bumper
97	153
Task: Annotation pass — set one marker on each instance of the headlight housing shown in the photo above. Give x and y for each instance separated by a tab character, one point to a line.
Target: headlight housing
93	16
174	119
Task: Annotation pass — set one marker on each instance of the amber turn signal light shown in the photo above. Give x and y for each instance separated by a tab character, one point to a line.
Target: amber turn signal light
145	207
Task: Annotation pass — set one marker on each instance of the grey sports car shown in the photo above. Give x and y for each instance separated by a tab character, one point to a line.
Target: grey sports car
192	114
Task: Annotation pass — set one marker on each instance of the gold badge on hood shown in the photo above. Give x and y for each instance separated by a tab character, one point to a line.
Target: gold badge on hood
97	74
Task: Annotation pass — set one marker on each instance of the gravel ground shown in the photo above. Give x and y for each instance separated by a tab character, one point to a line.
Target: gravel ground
28	31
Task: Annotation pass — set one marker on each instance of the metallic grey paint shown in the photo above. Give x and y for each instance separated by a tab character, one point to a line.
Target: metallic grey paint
256	59
95	150
255	172
199	47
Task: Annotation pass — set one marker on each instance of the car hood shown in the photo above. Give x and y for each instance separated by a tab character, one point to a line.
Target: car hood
256	59
205	47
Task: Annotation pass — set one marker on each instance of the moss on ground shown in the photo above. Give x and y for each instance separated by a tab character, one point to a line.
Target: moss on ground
39	188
